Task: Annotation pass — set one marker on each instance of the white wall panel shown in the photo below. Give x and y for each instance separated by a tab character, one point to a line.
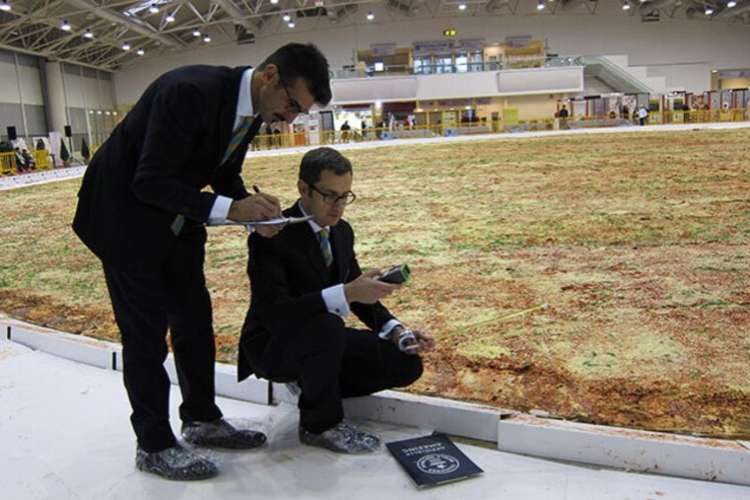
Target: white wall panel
541	80
691	77
459	86
401	88
450	86
31	85
107	94
91	88
73	90
8	83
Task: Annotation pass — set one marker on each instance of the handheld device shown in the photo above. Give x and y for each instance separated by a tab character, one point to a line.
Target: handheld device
396	274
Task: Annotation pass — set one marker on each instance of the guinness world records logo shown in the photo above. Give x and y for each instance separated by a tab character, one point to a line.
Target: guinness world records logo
438	463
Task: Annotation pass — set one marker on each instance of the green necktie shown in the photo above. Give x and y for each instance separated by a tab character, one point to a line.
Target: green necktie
239	134
325	246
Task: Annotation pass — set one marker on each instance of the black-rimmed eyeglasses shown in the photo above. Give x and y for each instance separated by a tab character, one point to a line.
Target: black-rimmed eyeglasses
294	106
335	198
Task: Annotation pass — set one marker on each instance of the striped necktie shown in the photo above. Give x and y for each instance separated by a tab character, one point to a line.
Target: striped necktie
325	246
246	124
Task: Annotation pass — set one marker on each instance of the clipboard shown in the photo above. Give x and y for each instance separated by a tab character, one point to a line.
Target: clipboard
277	221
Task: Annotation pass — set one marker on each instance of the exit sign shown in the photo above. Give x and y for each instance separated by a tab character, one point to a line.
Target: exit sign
450	32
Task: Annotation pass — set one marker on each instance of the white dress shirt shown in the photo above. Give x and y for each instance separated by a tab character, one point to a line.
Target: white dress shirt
220	209
334	296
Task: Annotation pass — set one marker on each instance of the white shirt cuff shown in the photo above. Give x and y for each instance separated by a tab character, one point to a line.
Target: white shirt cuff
385	333
335	300
220	210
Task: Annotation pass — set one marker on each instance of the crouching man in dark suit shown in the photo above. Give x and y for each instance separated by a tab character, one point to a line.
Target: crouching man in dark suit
304	283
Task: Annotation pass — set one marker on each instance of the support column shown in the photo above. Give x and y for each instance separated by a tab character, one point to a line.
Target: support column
55	105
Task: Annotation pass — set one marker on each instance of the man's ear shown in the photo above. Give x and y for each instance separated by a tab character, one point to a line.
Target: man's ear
301	185
271	74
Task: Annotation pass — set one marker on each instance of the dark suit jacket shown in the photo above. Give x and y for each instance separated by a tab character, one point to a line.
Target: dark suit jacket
287	274
155	164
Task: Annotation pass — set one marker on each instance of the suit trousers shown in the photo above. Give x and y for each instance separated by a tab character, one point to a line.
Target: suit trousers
145	305
331	362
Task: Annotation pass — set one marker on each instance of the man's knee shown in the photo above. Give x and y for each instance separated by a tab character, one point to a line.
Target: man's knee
325	331
410	369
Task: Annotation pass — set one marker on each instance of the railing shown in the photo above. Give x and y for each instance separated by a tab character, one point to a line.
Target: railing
278	141
619	72
11	165
8	163
467	67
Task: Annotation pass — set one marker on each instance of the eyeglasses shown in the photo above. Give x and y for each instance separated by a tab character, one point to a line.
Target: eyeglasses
294	106
334	198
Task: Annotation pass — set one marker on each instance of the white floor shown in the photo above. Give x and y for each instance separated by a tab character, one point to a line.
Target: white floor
64	433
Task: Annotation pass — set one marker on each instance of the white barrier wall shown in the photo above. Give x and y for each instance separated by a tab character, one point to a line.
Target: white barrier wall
458	86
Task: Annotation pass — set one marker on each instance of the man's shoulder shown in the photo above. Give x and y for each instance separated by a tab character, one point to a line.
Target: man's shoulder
345	230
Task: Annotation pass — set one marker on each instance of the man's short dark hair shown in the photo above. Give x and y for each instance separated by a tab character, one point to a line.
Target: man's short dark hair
319	159
306	61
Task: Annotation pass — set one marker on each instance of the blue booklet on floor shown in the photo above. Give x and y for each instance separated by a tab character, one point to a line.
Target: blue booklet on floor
432	460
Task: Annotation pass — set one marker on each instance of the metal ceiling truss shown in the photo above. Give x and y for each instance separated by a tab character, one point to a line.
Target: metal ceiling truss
34	26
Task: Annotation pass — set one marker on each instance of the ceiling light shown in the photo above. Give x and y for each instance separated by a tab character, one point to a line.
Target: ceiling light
5	6
141	52
106	113
65	26
126	46
153	9
196	33
291	25
626	5
99	112
287	18
370	16
274	2
462	6
540	5
88	34
709	10
731	3
207	39
114	113
170	18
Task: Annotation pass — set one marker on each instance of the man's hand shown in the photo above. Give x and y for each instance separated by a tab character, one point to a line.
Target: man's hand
256	207
268	231
367	289
425	343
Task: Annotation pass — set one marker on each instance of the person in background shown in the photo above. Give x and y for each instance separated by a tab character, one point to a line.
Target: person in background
642	115
28	159
345	131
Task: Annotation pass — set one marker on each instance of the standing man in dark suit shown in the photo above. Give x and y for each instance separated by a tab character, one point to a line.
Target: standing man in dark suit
304	282
142	211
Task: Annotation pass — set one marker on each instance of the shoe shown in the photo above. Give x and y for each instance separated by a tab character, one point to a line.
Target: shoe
220	433
343	438
175	463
